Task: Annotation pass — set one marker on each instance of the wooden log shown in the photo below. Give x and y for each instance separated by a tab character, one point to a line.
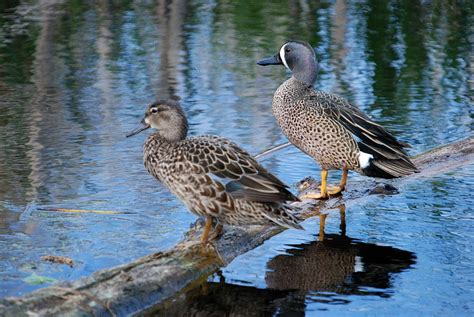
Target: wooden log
130	288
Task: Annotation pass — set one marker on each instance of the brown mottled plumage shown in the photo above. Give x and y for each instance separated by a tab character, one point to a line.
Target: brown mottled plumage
328	128
194	170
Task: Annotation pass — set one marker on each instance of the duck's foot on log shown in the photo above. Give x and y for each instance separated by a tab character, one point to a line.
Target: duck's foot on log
218	230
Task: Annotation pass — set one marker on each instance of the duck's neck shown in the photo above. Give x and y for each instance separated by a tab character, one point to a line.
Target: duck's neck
157	145
306	72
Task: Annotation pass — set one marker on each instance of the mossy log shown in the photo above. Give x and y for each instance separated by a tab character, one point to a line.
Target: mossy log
132	287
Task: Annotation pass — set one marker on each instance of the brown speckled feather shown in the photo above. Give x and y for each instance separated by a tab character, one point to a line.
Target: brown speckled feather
226	159
196	170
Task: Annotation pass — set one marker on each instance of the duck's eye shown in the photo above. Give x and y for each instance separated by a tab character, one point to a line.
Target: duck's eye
287	50
154	110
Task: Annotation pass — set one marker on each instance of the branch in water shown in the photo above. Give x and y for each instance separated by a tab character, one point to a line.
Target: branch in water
263	155
105	212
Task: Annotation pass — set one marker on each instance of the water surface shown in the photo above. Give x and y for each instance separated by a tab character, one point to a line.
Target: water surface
75	76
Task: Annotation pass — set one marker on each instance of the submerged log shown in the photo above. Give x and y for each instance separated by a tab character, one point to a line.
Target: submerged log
132	287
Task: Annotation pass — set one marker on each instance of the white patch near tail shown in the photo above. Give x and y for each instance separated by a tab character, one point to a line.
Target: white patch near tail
282	55
364	159
359	264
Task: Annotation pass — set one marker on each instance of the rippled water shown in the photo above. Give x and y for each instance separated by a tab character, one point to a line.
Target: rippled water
75	76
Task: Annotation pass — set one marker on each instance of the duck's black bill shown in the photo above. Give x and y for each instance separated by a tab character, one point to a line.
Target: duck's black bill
273	60
141	128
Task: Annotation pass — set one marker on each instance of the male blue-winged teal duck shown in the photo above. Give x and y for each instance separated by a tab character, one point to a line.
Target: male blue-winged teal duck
330	129
195	170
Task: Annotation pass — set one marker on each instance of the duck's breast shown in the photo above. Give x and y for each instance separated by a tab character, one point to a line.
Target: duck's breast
304	122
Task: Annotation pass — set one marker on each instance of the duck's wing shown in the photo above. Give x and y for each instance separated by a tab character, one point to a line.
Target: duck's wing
368	132
390	158
371	137
225	159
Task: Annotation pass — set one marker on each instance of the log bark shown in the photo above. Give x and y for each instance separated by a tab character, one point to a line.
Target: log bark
132	287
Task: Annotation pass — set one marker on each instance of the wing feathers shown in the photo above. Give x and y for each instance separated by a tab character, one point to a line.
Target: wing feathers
225	159
284	219
390	158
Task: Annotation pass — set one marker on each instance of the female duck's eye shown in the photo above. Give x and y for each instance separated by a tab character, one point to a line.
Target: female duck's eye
154	110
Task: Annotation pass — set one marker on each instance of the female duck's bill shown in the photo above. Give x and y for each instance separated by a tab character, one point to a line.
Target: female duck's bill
139	129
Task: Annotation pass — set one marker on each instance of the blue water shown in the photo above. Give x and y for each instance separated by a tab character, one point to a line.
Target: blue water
435	230
76	76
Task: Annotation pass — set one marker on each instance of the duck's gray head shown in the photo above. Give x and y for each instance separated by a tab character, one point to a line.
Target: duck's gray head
167	117
297	56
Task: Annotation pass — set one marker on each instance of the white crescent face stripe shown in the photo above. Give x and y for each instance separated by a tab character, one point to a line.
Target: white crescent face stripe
282	55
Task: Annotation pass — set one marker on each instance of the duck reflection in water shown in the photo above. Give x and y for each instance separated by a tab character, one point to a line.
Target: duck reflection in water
322	222
322	270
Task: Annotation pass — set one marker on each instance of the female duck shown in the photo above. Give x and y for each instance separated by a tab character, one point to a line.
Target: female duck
190	168
330	129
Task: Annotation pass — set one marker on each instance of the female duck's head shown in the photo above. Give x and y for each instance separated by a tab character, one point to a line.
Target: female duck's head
167	117
297	56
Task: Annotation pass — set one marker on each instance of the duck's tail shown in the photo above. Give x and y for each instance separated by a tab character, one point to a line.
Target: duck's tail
389	168
382	160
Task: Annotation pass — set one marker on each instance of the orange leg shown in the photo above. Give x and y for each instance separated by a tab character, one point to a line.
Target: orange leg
207	228
333	190
217	232
323	193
